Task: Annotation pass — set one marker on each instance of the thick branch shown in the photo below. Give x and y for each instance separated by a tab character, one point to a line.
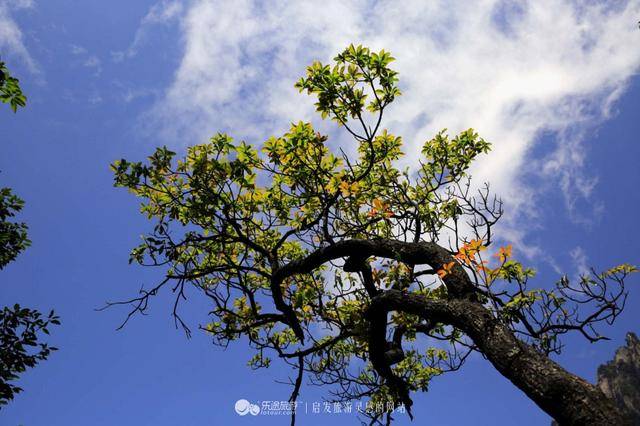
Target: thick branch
566	397
457	282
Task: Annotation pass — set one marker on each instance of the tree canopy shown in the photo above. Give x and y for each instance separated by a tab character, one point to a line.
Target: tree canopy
20	327
365	278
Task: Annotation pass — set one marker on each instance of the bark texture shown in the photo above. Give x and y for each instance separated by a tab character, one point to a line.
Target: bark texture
564	396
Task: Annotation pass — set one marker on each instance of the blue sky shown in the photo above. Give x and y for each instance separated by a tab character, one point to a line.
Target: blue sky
553	86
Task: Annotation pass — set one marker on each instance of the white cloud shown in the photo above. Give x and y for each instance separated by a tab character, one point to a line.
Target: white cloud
580	260
11	37
161	13
86	59
513	71
132	94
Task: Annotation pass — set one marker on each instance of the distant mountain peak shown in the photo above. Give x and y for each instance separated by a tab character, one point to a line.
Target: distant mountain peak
619	378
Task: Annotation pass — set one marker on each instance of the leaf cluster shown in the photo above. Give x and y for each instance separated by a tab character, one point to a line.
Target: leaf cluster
19	346
13	235
10	91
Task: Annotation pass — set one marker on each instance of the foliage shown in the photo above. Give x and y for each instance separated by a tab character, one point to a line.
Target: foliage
19	346
20	327
294	244
10	91
13	235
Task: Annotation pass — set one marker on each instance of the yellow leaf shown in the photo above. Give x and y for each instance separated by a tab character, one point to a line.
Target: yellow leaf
355	187
344	188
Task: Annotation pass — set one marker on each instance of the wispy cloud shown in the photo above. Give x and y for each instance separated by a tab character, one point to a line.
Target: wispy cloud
11	37
580	262
87	60
514	71
160	13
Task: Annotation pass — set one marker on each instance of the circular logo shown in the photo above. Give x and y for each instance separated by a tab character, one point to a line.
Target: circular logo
244	407
254	410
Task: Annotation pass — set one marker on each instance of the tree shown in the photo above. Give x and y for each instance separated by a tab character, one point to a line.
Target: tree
19	327
348	268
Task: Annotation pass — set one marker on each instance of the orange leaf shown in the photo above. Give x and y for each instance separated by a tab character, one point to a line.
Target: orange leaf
446	269
504	253
344	187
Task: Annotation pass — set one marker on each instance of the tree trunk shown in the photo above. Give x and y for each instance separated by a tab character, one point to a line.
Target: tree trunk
564	396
